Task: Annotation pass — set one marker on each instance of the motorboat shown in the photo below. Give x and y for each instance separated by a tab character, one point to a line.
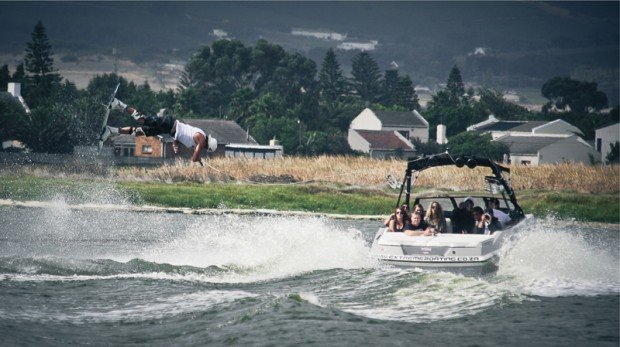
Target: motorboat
452	249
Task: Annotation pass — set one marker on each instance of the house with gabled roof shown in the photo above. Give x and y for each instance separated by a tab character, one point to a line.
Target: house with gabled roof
386	133
499	128
536	149
539	142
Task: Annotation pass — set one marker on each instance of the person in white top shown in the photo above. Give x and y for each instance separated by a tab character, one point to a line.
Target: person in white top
189	136
502	217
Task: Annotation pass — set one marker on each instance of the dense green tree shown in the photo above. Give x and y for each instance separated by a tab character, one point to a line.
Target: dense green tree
40	134
145	99
267	105
332	83
456	119
404	94
294	77
455	86
579	96
166	98
326	142
265	57
5	77
212	75
11	111
493	103
99	90
239	109
366	77
427	148
388	87
39	63
19	75
474	143
613	157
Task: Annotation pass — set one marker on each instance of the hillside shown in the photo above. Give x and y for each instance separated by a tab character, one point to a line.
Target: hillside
504	45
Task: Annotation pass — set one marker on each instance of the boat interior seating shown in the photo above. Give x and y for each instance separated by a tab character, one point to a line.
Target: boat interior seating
448	225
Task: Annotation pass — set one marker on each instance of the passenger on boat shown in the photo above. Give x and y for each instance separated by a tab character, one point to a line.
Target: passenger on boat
418	226
484	222
399	223
405	209
419	208
500	216
462	219
435	219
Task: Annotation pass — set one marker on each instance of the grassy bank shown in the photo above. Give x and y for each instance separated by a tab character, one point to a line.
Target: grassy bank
349	171
324	198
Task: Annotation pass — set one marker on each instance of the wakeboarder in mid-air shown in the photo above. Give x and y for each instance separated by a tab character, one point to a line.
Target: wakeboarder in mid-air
162	123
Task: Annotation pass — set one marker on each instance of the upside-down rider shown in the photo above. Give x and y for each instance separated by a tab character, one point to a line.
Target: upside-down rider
163	123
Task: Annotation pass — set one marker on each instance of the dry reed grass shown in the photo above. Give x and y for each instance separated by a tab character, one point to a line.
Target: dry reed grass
366	172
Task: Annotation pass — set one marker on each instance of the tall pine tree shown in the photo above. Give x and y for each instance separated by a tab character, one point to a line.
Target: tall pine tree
405	95
388	87
331	80
366	77
40	65
19	75
455	86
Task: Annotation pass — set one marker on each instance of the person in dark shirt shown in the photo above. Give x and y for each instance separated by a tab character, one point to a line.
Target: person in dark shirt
418	225
462	219
483	222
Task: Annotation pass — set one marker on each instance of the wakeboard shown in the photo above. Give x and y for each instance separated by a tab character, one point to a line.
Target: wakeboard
108	108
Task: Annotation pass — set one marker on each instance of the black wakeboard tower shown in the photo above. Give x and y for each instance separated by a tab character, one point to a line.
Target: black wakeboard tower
422	163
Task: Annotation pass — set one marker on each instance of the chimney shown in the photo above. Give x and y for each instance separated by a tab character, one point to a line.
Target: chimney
273	142
441	134
15	89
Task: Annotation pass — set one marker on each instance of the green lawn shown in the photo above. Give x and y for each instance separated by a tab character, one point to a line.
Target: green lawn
291	197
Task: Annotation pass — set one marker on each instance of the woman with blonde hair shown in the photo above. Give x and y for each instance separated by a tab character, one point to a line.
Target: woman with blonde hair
435	219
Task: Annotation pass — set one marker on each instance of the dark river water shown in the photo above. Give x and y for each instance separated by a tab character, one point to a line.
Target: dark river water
116	278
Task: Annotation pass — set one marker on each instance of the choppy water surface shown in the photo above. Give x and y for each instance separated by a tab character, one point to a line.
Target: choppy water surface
99	277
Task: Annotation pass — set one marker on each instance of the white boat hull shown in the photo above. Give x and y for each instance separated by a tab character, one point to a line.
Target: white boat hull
444	251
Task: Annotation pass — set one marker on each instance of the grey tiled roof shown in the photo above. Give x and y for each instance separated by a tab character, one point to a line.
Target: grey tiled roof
528	144
225	131
399	119
528	126
523	126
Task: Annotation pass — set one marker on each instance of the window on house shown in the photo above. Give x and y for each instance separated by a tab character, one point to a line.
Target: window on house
127	152
147	149
599	144
525	162
405	133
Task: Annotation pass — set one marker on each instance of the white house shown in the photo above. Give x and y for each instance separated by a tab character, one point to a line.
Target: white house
539	142
536	149
606	136
499	128
386	132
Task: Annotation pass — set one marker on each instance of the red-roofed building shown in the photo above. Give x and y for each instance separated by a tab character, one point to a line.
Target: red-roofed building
386	133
